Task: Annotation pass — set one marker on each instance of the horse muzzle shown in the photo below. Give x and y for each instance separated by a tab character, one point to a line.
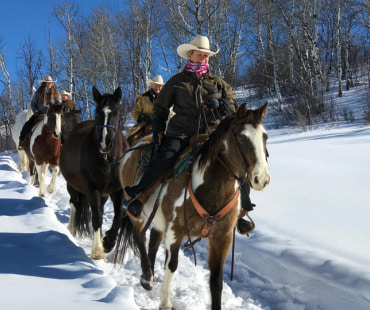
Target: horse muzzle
260	181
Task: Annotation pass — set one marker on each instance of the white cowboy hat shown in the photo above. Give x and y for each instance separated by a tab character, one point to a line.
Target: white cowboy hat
64	92
199	43
46	78
156	80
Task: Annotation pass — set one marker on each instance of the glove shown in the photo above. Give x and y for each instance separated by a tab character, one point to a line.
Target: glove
224	108
157	138
144	117
36	112
211	104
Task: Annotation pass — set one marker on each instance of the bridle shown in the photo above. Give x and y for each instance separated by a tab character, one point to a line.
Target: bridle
115	128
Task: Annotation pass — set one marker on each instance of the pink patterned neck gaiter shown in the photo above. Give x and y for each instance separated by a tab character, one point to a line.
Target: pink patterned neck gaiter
196	67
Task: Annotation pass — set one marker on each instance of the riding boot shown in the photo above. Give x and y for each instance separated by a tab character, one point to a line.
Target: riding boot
162	161
244	226
25	129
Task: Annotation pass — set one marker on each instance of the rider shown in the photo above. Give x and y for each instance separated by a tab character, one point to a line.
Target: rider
67	104
143	106
185	91
45	96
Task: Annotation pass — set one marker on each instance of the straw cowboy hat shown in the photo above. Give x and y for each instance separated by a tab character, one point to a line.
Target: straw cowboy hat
64	92
199	43
156	80
46	78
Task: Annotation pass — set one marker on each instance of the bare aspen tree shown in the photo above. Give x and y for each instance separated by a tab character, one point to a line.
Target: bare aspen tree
339	48
7	106
65	14
31	63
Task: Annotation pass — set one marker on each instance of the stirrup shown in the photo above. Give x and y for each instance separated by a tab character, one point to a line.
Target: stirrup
136	207
20	148
251	227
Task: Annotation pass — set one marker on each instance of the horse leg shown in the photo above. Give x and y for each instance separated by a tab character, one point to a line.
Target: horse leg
74	203
95	200
172	256
218	250
55	171
110	237
22	161
41	171
155	241
146	277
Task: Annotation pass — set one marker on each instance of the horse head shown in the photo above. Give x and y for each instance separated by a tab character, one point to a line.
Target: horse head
54	120
239	143
250	138
107	118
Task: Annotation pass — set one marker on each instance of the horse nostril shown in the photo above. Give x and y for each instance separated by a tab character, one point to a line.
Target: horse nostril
256	180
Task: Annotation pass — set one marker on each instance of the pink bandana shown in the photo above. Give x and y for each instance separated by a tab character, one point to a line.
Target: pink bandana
196	67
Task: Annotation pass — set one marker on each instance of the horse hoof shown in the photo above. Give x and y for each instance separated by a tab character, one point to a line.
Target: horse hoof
97	256
108	245
147	284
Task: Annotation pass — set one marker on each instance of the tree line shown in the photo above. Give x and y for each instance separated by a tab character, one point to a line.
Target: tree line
290	49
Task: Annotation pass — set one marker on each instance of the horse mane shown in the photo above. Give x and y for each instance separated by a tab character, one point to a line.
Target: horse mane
242	116
212	146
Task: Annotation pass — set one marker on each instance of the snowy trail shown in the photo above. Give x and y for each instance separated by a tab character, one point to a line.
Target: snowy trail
310	249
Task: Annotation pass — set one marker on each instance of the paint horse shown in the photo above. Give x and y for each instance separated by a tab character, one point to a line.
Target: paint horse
201	201
43	149
89	162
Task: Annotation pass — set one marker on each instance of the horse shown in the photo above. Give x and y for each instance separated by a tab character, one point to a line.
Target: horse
20	120
198	199
90	165
70	120
44	146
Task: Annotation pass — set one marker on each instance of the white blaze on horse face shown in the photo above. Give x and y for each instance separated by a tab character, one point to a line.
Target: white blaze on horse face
260	177
103	143
58	124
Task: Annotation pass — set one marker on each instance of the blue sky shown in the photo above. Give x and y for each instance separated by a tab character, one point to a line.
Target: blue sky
18	18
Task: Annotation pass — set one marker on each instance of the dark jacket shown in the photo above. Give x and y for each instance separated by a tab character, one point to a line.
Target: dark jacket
68	106
181	92
37	104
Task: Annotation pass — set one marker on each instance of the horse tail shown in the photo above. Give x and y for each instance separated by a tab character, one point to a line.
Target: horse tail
83	216
126	239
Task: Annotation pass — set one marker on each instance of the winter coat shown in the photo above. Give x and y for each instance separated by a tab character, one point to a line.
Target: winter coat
40	105
181	92
68	106
143	104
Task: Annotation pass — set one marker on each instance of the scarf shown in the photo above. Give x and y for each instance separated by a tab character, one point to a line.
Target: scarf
196	67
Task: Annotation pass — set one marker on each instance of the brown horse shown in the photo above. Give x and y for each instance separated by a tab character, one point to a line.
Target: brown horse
200	201
43	148
89	162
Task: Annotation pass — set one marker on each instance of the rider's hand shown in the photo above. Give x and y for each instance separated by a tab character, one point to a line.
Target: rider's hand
144	117
211	104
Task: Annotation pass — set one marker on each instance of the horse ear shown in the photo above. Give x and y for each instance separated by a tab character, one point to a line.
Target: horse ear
263	110
96	94
118	93
242	110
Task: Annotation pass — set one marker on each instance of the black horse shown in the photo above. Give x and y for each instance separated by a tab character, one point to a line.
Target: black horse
89	162
69	121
